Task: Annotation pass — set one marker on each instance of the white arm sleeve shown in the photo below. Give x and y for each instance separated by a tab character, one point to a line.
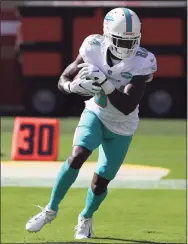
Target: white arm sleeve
148	65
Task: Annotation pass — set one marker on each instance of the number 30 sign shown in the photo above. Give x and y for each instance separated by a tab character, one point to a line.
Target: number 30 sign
35	139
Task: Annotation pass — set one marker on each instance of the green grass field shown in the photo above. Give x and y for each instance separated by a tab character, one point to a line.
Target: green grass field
156	142
127	216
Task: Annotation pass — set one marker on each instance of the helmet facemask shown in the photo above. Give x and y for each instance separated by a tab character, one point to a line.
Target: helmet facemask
123	47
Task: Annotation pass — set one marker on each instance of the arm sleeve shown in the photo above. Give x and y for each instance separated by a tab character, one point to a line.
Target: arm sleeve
86	48
89	46
149	66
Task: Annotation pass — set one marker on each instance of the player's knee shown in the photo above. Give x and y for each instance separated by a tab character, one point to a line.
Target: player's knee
97	189
78	156
99	184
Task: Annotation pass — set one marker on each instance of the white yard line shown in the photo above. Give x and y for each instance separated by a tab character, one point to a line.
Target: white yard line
173	184
43	174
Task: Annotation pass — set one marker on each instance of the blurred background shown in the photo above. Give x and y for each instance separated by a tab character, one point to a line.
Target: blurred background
40	38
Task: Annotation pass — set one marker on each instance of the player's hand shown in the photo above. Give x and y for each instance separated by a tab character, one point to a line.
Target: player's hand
84	87
91	71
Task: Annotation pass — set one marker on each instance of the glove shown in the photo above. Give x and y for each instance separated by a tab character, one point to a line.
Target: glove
82	86
94	73
91	71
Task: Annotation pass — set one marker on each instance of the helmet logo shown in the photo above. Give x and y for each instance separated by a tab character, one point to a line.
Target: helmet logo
109	18
126	75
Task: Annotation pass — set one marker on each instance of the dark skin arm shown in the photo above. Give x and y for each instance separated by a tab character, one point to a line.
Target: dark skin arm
126	102
69	73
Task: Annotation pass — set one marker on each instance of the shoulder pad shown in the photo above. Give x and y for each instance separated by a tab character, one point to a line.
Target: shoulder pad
90	44
95	40
146	62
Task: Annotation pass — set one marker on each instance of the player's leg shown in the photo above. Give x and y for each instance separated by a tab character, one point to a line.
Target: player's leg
111	155
68	175
87	137
96	194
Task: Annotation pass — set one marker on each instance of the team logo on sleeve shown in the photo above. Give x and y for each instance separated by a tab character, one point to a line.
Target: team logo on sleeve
154	68
94	42
109	72
126	75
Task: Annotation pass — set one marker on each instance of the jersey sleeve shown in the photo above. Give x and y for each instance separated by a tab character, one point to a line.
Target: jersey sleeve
147	65
88	46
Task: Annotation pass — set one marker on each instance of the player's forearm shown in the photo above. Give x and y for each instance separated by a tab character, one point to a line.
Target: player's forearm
127	102
63	84
68	74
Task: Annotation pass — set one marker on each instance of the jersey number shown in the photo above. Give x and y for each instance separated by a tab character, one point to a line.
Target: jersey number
143	53
101	99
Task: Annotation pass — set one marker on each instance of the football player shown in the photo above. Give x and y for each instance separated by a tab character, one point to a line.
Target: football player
114	69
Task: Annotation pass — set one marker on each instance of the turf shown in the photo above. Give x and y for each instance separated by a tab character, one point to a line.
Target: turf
156	142
127	216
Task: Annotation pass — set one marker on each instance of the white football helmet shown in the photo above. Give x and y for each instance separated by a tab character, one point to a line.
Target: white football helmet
122	29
